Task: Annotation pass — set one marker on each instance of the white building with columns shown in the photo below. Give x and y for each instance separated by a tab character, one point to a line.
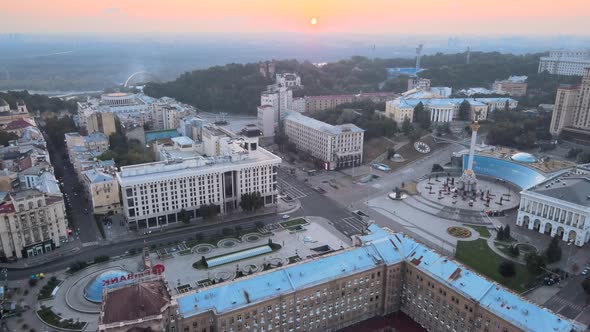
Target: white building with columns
558	206
444	109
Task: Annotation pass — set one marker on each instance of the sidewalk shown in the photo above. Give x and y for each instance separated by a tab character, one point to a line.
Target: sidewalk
77	246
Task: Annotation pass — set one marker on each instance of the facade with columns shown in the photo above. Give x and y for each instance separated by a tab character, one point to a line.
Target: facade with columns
559	206
444	109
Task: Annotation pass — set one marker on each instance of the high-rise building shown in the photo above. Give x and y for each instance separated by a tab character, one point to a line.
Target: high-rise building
153	194
337	146
568	63
100	122
571	113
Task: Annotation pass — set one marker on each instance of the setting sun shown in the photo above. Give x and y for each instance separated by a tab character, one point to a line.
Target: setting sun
313	21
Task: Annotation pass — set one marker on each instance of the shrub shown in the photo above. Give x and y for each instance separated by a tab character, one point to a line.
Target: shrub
101	259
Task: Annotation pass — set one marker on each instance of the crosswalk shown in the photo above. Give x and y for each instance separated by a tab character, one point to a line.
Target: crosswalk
558	303
351	225
288	189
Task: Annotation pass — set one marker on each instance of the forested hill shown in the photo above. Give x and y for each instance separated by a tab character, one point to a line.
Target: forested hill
236	88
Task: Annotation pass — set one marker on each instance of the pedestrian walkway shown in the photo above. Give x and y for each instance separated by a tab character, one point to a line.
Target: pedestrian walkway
65	249
490	240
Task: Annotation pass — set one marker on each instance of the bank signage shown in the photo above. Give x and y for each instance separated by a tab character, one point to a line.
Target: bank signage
155	270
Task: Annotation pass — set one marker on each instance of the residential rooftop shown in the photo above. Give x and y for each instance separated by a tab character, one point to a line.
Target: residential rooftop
379	247
322	126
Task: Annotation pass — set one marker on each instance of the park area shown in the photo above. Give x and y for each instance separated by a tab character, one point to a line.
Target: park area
478	256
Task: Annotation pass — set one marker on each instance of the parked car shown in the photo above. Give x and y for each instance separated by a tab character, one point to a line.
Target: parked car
286	216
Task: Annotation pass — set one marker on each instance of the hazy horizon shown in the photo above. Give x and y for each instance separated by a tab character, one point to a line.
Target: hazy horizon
403	17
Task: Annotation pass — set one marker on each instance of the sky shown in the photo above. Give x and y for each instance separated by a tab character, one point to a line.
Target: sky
432	17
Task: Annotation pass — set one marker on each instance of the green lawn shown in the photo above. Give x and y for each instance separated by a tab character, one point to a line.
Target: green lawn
478	256
483	231
293	222
52	319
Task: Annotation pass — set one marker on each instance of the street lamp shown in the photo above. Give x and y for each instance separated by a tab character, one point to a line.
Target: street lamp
569	254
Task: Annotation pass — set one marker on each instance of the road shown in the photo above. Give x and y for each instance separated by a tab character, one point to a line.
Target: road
80	222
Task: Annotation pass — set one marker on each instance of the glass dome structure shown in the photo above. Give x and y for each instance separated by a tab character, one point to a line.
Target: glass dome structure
524	157
93	290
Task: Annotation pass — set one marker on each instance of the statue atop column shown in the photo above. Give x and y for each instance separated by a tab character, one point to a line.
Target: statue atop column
468	181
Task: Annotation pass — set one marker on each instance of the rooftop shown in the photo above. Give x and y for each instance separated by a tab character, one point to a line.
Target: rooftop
322	126
96	176
160	134
136	174
135	301
379	247
568	187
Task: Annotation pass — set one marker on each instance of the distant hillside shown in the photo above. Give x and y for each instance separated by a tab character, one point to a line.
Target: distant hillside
236	88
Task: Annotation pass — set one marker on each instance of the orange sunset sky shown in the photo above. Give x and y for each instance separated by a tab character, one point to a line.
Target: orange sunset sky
492	17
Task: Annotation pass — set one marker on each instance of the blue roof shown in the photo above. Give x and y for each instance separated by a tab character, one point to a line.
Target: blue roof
161	134
240	292
408	71
445	102
379	247
520	175
93	290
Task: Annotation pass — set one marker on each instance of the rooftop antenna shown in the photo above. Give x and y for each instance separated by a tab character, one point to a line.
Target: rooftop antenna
468	57
418	55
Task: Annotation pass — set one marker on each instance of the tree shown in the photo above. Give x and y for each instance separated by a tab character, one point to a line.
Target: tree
534	263
183	216
583	157
586	285
507	105
407	127
553	251
514	251
507	236
507	269
209	210
390	152
203	261
251	201
422	116
5	137
500	235
465	110
437	168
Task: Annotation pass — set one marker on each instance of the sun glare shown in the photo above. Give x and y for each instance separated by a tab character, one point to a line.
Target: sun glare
313	21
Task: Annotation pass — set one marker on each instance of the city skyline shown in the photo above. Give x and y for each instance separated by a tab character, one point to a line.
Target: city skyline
526	17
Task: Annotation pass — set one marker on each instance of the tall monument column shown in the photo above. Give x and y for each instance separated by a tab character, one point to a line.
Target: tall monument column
468	181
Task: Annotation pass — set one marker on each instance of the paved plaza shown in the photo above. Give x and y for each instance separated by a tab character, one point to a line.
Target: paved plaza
491	195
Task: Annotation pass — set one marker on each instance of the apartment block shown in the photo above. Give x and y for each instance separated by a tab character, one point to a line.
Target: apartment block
337	146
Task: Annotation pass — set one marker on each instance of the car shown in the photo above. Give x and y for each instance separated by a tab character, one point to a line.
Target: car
286	216
585	272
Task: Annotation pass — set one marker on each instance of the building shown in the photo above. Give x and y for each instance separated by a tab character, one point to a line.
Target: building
559	206
267	68
571	114
102	189
153	194
514	86
288	80
418	83
34	223
266	120
100	122
443	91
384	273
144	306
8	115
326	102
567	63
337	146
96	142
563	110
445	109
299	105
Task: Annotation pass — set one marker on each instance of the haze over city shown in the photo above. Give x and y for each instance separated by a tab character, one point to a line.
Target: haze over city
302	166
